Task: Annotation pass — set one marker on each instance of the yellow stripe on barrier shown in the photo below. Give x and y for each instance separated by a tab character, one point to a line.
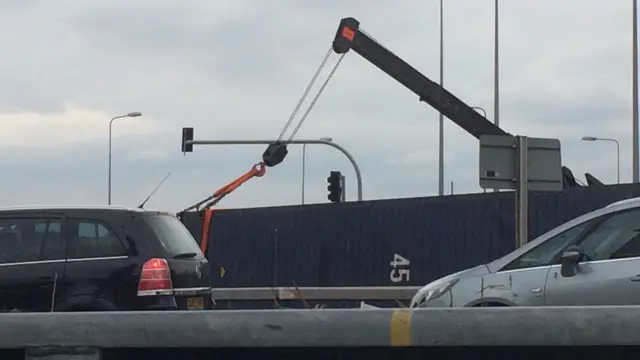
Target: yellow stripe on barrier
400	330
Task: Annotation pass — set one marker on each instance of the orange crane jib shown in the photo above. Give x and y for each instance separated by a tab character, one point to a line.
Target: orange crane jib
258	170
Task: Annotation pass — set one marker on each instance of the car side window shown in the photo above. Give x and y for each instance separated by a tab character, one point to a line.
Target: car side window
617	237
53	245
545	253
22	239
92	239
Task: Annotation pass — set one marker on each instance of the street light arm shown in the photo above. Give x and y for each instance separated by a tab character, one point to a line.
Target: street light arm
356	168
116	117
595	138
609	139
131	114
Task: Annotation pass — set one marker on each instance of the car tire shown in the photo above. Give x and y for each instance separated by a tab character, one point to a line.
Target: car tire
490	304
97	304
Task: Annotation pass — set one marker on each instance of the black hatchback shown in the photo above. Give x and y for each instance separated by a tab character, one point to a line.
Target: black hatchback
99	259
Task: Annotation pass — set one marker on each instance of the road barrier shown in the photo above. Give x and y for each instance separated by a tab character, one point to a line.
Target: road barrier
316	293
91	335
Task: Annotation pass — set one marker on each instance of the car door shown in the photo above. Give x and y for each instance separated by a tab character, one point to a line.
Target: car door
31	261
98	264
610	273
522	282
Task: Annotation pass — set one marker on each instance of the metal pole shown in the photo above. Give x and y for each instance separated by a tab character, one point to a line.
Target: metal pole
441	122
522	193
132	115
636	160
344	151
109	176
343	192
496	72
618	154
304	155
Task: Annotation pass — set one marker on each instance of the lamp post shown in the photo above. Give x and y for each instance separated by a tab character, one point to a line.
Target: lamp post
304	160
594	138
131	114
496	68
441	118
634	98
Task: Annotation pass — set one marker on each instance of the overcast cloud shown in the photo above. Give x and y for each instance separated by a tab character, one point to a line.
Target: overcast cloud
236	69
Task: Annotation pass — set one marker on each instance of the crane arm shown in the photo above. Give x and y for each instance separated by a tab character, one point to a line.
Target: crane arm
350	37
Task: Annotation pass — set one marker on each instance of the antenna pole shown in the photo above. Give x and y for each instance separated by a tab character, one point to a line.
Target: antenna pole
154	190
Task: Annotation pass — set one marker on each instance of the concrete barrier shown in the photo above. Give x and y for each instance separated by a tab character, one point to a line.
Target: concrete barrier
469	327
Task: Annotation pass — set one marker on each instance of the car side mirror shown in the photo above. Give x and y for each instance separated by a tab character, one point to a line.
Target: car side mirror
570	260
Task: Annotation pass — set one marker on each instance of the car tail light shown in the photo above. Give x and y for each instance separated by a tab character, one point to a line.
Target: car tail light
155	278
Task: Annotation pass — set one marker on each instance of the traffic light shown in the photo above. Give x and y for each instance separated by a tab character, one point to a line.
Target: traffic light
335	186
187	135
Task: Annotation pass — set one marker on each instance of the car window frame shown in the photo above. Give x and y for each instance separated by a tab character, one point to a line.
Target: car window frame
63	238
74	228
590	225
38	216
597	226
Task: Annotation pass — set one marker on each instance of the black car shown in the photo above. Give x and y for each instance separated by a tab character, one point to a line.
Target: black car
99	259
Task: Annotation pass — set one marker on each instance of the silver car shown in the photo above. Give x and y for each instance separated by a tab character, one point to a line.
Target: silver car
591	260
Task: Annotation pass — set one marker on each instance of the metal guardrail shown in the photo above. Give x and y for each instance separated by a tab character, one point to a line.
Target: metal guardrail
567	326
316	293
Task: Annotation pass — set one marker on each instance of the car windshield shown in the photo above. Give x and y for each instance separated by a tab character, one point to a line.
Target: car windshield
173	235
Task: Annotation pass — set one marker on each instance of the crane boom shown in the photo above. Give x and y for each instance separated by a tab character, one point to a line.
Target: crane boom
349	36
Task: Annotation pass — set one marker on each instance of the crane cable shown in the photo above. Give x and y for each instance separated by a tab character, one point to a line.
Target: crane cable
259	169
315	99
273	155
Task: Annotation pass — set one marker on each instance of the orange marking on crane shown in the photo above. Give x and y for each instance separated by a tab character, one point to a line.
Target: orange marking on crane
349	34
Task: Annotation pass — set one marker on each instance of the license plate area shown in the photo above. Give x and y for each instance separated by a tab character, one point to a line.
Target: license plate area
195	303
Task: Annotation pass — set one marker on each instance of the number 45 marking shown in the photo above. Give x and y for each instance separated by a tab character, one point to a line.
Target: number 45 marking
399	261
399	275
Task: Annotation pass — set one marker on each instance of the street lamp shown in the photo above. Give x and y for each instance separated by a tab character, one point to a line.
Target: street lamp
131	114
594	138
304	156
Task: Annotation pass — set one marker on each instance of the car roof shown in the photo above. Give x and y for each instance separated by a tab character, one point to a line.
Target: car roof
35	208
631	202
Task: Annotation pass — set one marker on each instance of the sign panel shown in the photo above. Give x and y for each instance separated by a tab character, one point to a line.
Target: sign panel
499	159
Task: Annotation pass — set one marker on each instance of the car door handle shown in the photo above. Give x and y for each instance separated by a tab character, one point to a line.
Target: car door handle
635	278
536	291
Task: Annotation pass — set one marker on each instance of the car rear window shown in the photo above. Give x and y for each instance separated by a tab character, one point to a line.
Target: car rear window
173	235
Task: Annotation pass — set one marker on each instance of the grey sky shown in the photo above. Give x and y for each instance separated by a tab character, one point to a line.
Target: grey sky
235	69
